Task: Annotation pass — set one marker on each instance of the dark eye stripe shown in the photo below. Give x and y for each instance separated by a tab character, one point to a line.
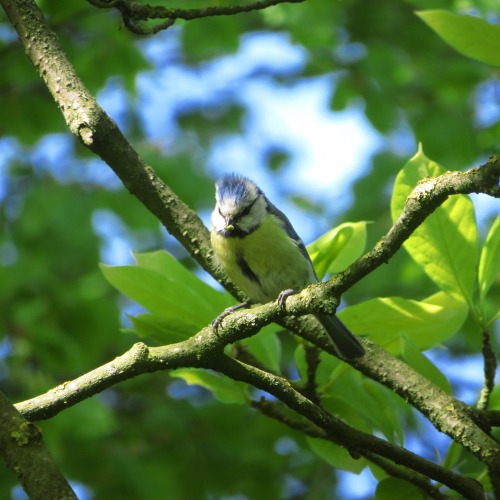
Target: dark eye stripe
246	210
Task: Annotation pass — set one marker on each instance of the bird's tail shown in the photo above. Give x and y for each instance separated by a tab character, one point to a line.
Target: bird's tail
346	344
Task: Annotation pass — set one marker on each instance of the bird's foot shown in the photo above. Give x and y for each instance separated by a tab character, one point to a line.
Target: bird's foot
218	320
284	295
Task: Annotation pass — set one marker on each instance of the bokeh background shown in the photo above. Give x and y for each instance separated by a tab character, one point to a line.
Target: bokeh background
320	103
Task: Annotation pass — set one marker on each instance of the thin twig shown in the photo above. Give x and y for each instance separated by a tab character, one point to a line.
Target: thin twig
312	361
132	12
490	367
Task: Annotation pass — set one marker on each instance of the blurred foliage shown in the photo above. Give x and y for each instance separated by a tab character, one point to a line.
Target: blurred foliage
59	316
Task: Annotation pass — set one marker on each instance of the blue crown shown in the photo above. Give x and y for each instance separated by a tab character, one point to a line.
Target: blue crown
234	186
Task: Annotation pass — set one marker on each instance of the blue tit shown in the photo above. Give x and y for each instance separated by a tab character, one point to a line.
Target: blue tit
260	251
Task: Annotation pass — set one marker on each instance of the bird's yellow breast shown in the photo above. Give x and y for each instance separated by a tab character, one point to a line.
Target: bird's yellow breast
264	262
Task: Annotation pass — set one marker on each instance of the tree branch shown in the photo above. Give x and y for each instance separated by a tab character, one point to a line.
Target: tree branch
342	434
305	426
133	12
21	445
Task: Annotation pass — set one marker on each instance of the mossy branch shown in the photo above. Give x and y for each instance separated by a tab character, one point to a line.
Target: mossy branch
25	454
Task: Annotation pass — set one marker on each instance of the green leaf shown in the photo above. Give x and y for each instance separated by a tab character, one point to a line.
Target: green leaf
299	358
343	391
180	302
385	411
489	265
158	294
393	487
469	35
453	456
266	347
169	267
223	388
336	456
422	364
427	323
338	248
165	330
445	244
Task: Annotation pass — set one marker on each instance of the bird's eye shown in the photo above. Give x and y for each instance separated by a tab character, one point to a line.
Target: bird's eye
247	209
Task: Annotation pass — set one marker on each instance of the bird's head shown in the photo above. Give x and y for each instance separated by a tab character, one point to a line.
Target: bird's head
240	206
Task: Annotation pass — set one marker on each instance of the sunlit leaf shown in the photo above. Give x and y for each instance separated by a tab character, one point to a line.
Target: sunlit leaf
338	248
266	347
164	329
489	264
445	244
342	389
345	388
386	413
179	301
470	35
427	323
168	266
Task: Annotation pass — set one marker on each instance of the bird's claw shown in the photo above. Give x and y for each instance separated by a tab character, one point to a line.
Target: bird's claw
284	295
218	320
216	323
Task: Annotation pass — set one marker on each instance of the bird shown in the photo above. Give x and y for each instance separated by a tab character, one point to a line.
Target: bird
258	248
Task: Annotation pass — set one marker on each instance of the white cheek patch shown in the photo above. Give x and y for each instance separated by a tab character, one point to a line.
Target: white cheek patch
217	220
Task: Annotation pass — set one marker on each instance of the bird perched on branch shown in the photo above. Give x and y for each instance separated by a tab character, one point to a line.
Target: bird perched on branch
260	251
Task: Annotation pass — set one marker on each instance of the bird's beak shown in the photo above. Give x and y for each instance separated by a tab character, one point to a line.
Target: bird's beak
229	224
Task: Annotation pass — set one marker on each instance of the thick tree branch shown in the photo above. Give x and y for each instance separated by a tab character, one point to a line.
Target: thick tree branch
25	454
138	360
